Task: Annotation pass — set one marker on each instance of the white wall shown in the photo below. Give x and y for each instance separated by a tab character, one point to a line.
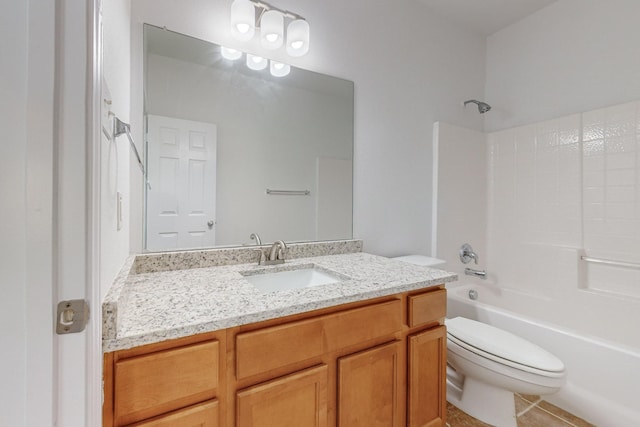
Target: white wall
572	56
408	74
115	153
461	195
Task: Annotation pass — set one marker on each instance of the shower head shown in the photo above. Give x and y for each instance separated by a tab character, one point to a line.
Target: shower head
483	107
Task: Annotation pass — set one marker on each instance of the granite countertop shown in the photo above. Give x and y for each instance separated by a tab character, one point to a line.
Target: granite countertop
155	306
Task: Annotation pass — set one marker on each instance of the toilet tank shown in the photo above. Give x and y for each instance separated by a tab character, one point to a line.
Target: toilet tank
422	260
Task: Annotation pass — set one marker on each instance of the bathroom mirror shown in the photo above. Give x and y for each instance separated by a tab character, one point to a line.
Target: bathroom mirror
232	151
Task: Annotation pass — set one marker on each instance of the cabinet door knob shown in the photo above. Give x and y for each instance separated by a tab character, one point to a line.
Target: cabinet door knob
211	223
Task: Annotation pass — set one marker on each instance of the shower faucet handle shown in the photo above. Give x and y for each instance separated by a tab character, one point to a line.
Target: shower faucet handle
467	254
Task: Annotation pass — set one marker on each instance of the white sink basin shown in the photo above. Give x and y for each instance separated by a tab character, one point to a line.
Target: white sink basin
291	279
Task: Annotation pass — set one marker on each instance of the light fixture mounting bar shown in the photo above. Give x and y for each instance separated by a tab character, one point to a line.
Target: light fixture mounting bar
266	6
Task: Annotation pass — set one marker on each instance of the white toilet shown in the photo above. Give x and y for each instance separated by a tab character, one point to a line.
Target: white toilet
486	365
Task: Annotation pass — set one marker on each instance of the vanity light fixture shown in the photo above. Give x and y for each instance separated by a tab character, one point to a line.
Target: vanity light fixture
256	62
229	53
279	69
243	19
271	23
298	37
272	29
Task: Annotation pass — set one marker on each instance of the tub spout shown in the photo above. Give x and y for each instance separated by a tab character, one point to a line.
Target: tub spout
476	273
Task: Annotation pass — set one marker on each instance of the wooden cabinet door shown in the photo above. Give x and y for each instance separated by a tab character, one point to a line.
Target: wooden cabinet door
369	384
202	415
296	400
427	378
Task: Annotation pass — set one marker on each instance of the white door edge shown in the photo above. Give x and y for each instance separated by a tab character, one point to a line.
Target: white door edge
94	393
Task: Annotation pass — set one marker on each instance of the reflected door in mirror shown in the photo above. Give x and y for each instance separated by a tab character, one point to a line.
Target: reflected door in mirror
181	197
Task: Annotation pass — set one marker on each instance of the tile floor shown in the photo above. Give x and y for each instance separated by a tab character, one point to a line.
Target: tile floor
531	411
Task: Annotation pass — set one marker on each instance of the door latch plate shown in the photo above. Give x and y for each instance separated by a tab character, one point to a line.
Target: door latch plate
72	316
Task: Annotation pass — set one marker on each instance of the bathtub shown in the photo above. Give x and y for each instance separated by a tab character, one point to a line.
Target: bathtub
603	382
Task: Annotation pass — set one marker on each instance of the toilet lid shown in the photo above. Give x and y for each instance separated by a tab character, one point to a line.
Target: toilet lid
501	344
421	260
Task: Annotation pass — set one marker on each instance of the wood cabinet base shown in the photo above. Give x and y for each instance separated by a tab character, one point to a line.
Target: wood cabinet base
380	362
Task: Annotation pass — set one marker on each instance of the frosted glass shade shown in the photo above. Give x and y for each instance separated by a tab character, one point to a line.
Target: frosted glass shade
298	37
243	19
256	62
272	29
229	53
279	69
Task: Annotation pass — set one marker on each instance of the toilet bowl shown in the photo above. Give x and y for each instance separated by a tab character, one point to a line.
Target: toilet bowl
486	365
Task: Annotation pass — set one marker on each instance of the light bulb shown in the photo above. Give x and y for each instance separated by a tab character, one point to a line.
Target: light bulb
298	37
256	62
272	29
229	53
243	27
278	69
243	19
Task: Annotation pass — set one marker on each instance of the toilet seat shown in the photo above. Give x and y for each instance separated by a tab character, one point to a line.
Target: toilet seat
502	347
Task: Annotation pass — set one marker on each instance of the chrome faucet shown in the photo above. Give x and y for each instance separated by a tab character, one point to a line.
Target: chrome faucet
476	273
276	253
467	254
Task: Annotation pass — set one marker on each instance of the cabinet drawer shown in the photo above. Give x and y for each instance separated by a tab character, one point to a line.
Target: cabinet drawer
306	339
153	384
202	415
428	307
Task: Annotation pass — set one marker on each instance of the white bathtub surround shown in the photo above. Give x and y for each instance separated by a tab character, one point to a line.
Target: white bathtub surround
459	194
562	189
152	307
557	190
603	379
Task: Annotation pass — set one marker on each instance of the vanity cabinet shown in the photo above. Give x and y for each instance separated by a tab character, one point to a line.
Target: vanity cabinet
379	362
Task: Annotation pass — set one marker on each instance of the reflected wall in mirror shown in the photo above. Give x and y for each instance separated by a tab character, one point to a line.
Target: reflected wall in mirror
218	135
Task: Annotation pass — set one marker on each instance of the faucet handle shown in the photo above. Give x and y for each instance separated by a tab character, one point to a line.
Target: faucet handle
254	236
281	252
282	247
467	254
261	257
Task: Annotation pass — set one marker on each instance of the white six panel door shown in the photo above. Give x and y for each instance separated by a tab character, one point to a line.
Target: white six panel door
181	200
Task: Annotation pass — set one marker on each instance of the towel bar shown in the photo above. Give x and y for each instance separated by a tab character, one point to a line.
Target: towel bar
288	192
610	262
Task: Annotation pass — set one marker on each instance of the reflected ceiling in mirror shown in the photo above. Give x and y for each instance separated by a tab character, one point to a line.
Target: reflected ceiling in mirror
220	135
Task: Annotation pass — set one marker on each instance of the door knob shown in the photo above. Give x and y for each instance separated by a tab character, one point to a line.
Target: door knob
211	223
